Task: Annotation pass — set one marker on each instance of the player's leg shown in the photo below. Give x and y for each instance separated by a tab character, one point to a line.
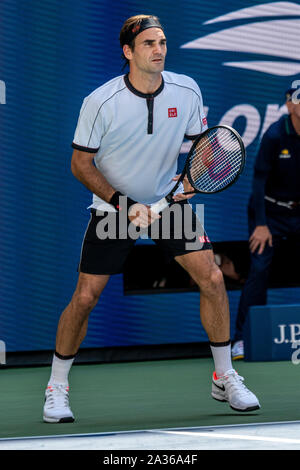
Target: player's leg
182	237
101	256
73	321
227	385
214	307
71	331
193	251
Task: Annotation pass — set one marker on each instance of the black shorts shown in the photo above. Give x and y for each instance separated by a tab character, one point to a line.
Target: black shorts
110	236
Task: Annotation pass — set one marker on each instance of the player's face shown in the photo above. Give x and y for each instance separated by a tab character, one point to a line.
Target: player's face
149	52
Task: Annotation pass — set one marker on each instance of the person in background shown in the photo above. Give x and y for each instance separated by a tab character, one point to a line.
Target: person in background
274	208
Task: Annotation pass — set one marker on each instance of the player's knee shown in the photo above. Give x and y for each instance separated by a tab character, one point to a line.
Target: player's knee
214	281
86	300
216	278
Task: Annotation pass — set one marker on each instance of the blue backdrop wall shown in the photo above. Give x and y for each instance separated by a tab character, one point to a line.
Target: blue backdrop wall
52	54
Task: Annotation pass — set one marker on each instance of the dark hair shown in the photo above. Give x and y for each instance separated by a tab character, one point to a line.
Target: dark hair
132	27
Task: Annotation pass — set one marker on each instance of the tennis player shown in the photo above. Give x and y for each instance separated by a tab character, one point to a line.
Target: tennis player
126	147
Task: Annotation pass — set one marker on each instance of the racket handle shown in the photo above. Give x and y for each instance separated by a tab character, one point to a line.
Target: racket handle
159	206
189	192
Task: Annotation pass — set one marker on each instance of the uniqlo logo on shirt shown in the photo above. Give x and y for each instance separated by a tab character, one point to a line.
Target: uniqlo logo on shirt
172	112
204	239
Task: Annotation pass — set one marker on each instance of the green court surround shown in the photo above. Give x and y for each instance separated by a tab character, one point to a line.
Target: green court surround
145	395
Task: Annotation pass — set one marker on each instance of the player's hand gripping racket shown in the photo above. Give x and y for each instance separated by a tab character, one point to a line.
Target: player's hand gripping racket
214	162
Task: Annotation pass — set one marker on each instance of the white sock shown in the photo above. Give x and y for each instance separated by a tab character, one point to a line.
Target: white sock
60	370
222	357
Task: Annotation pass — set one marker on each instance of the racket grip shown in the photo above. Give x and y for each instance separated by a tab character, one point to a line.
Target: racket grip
159	206
189	192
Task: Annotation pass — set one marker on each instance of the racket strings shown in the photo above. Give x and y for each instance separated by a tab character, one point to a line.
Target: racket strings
222	165
216	160
217	174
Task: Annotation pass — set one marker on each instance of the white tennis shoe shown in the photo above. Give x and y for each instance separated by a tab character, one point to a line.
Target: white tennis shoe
56	407
229	387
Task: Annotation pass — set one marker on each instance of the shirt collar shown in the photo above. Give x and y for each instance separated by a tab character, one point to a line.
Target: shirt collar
139	93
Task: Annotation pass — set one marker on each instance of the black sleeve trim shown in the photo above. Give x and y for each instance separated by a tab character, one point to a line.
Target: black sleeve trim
84	149
192	137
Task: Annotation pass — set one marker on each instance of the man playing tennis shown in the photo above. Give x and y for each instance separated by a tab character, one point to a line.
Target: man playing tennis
126	146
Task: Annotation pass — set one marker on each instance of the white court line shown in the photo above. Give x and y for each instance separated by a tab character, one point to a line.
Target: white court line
186	429
235	436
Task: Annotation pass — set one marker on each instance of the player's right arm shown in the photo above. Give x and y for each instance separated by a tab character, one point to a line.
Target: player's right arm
83	168
86	143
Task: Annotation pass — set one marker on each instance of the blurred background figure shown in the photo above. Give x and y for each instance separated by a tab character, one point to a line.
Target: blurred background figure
274	207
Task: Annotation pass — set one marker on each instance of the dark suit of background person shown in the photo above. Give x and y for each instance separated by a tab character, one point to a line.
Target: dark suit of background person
274	207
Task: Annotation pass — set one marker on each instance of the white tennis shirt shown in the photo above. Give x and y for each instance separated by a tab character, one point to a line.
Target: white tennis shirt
137	137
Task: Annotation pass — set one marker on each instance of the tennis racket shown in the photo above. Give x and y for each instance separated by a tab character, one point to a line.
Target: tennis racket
214	162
